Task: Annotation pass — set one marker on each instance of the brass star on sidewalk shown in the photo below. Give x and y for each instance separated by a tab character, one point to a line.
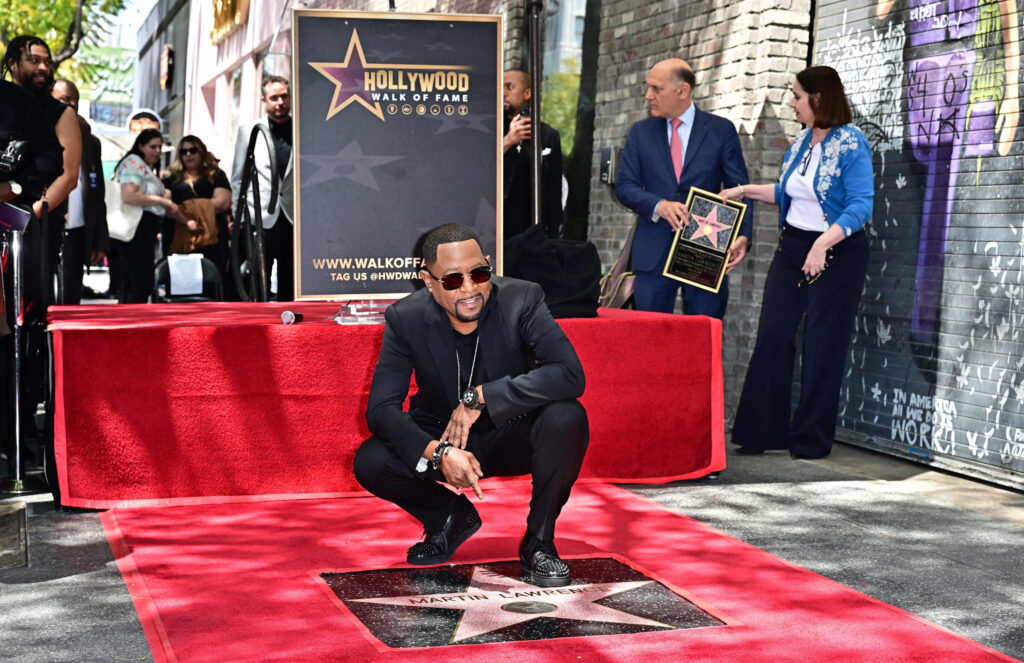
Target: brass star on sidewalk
494	601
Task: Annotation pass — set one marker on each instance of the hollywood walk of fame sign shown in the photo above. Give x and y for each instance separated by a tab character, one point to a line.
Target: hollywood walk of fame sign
473	604
396	130
700	250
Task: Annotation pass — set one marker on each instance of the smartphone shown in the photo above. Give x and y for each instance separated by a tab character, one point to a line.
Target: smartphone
524	111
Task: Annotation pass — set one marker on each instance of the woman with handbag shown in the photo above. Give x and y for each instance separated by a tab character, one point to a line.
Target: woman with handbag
134	239
195	175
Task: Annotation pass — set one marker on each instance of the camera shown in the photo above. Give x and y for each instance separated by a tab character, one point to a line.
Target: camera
524	111
10	157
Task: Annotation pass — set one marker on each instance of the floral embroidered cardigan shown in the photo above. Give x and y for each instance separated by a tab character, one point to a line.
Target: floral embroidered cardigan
844	183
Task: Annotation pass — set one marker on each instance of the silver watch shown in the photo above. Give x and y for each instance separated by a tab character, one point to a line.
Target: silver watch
471	399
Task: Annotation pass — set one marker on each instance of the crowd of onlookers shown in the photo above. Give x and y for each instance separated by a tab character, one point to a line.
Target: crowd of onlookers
72	218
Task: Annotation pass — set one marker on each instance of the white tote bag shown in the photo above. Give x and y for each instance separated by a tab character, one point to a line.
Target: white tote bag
122	220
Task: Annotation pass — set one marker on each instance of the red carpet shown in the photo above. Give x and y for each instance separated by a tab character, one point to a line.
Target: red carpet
181	404
240	582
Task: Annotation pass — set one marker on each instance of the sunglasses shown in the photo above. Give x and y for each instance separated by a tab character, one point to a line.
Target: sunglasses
806	161
189	150
455	280
808	280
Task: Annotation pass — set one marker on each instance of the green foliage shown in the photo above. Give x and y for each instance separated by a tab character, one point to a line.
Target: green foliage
559	96
54	20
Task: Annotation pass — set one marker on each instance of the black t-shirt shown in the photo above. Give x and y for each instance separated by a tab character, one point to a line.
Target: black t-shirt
465	344
22	118
282	134
52	111
466	347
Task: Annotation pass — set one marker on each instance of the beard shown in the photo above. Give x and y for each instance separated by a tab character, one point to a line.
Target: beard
28	82
464	317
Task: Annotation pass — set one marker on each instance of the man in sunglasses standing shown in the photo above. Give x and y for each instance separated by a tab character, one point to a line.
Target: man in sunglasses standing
497	387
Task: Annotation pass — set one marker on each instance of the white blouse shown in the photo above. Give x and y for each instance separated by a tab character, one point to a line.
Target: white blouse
133	170
804	210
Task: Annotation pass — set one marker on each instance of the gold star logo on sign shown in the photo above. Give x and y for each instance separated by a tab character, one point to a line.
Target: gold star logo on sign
357	81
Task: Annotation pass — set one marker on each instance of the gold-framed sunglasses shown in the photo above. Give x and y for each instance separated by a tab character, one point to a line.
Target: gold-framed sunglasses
808	280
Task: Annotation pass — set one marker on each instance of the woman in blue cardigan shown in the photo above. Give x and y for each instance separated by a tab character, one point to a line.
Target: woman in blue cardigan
825	196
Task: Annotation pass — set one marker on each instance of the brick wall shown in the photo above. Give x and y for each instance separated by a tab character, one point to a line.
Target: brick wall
745	57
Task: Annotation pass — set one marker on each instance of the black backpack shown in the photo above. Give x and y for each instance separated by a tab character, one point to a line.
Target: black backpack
568	271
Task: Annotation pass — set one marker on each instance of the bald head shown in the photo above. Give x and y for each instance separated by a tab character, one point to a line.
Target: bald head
66	92
515	90
670	86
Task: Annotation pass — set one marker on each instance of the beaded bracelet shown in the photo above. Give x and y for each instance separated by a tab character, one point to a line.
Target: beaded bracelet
439	452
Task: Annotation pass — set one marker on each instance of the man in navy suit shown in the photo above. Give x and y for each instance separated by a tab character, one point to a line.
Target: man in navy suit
679	146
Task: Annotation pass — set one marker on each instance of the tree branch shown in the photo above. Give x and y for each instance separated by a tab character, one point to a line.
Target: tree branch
73	38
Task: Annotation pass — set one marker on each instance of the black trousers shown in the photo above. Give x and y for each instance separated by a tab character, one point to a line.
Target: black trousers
136	259
547	444
277	245
73	259
830	304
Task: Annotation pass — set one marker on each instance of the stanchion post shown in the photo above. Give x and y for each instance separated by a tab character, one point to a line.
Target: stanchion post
16	485
533	10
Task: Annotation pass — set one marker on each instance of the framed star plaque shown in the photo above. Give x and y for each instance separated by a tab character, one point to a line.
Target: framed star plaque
700	250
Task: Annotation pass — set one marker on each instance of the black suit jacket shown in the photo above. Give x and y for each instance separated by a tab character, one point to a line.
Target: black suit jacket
516	216
94	207
525	354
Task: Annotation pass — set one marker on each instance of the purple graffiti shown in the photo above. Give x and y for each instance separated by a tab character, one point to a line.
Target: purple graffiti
935	22
937	104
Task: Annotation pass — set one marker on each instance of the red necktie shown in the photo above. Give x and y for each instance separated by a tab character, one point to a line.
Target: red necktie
676	147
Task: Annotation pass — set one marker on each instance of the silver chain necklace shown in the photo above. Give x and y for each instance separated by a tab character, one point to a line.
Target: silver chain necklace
458	367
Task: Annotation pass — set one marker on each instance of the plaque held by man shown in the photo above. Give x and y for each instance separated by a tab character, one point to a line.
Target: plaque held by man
700	249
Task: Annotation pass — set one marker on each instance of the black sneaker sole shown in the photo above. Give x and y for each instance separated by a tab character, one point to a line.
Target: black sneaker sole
441	559
543	581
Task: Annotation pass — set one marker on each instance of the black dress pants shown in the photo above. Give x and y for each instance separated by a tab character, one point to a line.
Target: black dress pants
548	444
830	304
277	245
137	258
73	259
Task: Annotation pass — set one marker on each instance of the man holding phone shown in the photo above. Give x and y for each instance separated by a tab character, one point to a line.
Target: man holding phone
516	145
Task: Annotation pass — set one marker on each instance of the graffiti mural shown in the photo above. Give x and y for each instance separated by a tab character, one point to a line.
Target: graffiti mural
936	367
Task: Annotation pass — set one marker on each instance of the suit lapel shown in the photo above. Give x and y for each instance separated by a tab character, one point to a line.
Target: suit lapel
660	137
491	326
697	134
441	347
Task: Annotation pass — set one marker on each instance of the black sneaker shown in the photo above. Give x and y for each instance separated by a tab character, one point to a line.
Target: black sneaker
438	547
541	564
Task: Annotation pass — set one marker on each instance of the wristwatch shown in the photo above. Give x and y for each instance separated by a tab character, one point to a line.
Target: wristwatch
471	399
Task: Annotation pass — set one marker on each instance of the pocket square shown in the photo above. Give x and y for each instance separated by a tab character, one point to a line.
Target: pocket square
546	151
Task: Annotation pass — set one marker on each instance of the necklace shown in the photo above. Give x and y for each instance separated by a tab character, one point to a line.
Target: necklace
458	367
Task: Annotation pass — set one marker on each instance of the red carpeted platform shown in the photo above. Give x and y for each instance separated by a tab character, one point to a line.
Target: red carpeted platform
178	404
240	582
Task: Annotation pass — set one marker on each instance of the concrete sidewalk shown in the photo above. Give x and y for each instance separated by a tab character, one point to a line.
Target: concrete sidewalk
943	547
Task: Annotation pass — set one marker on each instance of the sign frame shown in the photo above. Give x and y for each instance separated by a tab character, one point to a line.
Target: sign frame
353	47
685	251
